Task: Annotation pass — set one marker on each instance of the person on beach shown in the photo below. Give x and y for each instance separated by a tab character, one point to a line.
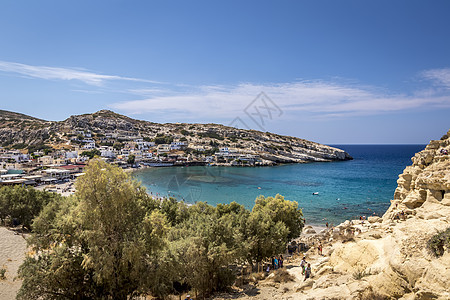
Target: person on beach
319	249
303	265
281	261
275	263
308	271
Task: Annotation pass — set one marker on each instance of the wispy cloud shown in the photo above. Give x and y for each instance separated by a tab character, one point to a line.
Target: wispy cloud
439	76
57	73
317	98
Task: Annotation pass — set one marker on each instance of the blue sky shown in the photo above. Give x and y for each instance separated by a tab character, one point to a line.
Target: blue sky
331	71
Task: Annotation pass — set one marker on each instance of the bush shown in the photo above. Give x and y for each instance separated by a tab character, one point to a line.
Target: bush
2	273
438	243
162	139
282	276
359	274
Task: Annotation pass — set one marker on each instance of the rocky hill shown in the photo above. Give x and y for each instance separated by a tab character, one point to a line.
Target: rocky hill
106	127
20	130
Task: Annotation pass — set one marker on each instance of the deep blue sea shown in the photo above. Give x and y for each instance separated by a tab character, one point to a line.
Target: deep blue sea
362	186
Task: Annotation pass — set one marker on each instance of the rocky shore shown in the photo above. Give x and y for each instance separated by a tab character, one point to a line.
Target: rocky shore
378	258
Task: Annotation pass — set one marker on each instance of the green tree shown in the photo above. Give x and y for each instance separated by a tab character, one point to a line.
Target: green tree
92	153
163	139
23	203
272	223
118	145
109	238
206	243
131	159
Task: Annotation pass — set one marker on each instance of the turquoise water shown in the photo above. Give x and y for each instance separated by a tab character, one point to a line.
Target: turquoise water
346	189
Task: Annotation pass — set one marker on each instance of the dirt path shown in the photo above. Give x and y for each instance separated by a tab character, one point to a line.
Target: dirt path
12	253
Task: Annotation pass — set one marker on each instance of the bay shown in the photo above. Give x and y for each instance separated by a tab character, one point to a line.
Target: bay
347	189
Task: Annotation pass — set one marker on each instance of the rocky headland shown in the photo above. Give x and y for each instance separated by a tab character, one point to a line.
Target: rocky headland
108	129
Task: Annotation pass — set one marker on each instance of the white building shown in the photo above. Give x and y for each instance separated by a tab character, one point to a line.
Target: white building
71	154
20	157
57	173
46	160
163	148
89	145
177	146
108	152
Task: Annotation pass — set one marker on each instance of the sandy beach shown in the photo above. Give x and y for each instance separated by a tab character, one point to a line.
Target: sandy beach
13	248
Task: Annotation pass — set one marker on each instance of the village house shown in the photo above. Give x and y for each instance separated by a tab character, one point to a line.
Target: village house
108	152
45	160
57	174
90	144
177	146
163	148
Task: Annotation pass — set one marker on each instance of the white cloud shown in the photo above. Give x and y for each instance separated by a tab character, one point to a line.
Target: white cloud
56	73
319	98
315	99
439	76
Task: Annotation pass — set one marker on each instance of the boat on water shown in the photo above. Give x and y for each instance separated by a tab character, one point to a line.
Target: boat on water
158	164
315	193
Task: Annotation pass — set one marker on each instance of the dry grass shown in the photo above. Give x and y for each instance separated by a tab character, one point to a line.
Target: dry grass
359	274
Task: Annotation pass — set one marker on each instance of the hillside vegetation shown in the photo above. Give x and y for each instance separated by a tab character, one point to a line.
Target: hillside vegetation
111	240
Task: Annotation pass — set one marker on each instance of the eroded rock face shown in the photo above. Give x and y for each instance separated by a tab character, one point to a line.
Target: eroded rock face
424	183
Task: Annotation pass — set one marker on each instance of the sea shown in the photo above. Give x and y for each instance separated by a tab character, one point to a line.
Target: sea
326	191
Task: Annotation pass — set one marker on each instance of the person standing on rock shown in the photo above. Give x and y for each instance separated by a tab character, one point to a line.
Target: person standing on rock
303	265
308	271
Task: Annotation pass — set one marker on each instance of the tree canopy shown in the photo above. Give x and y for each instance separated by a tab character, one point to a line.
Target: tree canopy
112	240
23	203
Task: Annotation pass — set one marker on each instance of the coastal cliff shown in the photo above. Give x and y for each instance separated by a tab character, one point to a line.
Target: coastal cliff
402	255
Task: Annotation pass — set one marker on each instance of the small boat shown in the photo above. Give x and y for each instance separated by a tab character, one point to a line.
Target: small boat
316	193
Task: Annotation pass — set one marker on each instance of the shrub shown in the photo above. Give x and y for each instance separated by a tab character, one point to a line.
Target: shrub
2	273
359	274
282	276
439	242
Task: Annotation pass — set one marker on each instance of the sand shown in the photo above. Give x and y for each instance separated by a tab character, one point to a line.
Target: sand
12	253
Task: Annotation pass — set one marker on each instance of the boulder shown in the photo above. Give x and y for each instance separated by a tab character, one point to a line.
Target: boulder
309	231
307	284
374	219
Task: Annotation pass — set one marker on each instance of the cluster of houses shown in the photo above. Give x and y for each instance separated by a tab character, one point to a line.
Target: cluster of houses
44	167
